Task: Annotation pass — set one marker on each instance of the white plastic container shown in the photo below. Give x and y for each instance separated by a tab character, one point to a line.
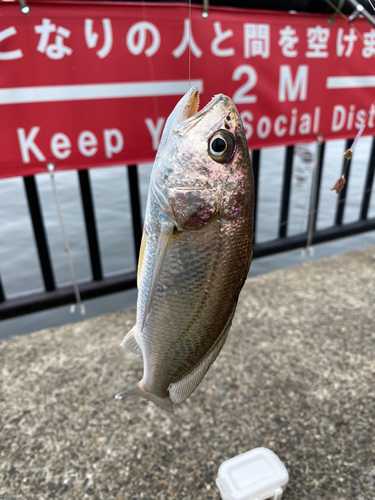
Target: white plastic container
257	474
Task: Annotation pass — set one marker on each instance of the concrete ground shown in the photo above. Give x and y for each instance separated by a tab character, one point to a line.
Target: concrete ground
297	375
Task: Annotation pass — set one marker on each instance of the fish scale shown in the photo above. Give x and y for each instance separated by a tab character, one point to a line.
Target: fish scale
196	248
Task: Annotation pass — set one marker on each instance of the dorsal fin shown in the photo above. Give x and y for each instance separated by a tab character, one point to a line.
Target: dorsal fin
181	390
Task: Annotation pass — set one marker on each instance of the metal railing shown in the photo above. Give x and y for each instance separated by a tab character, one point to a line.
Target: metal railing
99	284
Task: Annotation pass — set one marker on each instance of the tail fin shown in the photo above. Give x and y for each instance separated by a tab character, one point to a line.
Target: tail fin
141	391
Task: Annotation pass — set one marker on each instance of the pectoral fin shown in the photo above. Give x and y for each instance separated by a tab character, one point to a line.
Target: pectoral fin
141	255
161	248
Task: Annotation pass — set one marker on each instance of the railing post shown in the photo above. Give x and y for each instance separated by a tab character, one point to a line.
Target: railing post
315	189
288	168
136	207
90	223
2	294
318	180
369	182
342	195
255	164
39	232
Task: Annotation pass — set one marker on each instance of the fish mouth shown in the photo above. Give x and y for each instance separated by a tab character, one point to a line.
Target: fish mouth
192	105
190	114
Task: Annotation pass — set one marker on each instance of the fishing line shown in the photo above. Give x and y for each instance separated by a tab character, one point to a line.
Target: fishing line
304	207
51	170
336	9
314	193
190	30
346	19
340	183
150	64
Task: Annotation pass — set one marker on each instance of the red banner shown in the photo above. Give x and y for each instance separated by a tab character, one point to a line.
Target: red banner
91	84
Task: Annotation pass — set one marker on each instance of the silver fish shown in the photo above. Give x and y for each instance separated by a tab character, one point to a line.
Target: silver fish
196	248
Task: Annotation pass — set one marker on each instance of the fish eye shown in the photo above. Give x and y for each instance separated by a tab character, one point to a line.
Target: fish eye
221	146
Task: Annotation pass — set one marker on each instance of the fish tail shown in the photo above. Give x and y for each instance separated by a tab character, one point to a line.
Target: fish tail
141	391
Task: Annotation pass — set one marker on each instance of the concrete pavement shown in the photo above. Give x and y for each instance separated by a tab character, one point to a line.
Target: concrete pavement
297	375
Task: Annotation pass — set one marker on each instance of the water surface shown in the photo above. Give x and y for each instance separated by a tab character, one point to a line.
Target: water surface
18	256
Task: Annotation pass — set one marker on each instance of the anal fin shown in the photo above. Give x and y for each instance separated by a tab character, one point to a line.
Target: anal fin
181	390
130	342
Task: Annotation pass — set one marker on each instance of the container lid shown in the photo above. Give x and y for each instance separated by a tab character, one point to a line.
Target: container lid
256	474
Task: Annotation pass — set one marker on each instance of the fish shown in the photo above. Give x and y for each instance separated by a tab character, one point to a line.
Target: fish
196	248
